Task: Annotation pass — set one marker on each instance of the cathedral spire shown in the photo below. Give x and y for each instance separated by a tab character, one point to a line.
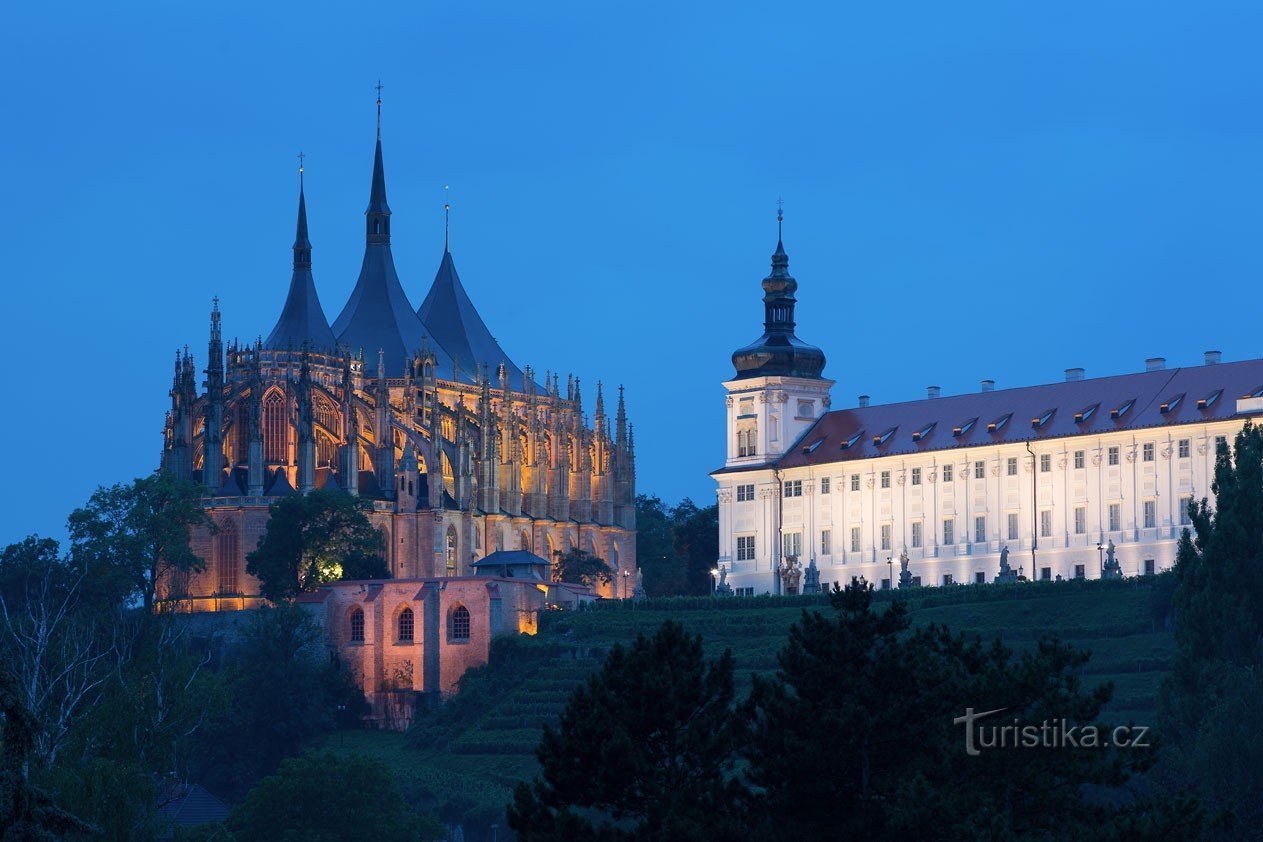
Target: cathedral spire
378	213
302	245
620	421
302	320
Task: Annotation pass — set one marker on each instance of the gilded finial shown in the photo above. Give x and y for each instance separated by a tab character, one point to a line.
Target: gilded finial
780	215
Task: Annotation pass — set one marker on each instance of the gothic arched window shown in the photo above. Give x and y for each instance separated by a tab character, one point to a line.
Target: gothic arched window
458	625
451	551
227	547
275	429
524	541
357	625
406	625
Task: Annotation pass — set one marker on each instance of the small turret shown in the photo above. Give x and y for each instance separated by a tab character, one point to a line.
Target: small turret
254	440
306	428
213	415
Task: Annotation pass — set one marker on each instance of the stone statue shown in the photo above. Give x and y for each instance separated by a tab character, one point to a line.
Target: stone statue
722	588
638	592
1007	574
1111	569
905	578
811	578
791	574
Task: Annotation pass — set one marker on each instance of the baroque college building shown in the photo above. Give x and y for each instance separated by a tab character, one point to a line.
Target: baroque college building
419	410
1081	478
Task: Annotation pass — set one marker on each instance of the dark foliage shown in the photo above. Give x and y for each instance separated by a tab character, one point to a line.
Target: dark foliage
643	750
315	538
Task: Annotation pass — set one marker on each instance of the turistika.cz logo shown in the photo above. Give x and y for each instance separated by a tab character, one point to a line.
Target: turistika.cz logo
1051	733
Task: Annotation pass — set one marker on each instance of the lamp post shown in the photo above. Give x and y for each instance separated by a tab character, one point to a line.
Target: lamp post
714	580
890	571
1100	556
626	582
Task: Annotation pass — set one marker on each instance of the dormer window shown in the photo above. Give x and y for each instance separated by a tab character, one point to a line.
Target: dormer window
811	448
1086	413
924	431
1171	404
849	443
964	428
998	424
878	441
1119	411
1043	419
1209	401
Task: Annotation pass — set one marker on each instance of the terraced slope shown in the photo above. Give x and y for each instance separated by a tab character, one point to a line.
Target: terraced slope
465	758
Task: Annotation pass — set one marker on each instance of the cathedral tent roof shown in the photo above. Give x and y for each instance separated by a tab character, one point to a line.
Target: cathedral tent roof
378	315
302	320
450	316
1161	398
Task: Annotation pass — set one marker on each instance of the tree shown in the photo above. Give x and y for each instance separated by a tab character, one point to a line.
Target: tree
644	750
135	535
284	690
1208	707
330	797
697	542
26	812
60	652
579	567
856	736
316	538
655	549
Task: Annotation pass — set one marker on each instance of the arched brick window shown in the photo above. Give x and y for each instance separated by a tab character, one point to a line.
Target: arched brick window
406	626
227	548
458	625
357	625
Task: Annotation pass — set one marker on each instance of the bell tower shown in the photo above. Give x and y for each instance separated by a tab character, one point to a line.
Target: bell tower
778	391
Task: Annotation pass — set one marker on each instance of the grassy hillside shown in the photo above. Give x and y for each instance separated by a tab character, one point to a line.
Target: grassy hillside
464	759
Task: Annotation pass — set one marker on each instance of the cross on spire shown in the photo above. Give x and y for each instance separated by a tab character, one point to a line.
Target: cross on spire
780	215
447	217
301	156
378	88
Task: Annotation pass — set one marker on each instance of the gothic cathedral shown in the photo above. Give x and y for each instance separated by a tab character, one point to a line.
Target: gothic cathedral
461	451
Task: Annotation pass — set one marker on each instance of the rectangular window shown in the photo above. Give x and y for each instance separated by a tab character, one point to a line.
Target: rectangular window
916	581
885	584
1045	463
855	539
1185	520
745	548
1149	567
826	542
916	476
1080	520
980	529
855	482
885	479
916	533
1045	574
745	493
980	470
1147	451
1045	523
1079	571
1010	466
1220	441
949	528
1116	517
824	485
1151	514
947	473
794	488
792	543
885	536
980	578
1184	448
1112	455
947	579
1012	518
1078	460
747	441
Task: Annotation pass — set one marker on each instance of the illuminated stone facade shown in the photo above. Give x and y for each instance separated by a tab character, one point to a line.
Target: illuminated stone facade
461	452
1059	475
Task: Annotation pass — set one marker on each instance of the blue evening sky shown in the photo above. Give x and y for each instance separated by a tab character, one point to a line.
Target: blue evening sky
971	190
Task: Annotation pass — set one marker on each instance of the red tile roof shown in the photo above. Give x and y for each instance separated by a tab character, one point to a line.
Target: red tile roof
1150	399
